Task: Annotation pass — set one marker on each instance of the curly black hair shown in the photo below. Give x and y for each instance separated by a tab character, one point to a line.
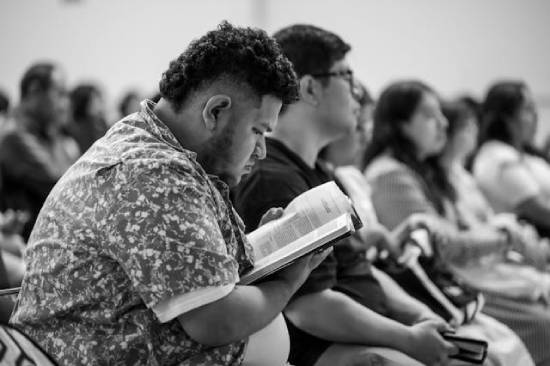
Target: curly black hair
312	50
244	55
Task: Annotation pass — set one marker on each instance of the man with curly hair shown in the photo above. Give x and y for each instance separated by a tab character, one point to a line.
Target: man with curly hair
136	256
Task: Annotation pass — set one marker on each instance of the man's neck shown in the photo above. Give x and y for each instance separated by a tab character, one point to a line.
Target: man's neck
302	136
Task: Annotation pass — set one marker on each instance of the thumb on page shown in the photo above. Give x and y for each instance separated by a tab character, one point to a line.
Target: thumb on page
272	214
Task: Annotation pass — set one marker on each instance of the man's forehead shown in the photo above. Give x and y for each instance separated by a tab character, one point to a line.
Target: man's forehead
268	112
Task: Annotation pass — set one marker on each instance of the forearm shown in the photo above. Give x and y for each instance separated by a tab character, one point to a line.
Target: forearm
403	307
460	247
336	317
243	312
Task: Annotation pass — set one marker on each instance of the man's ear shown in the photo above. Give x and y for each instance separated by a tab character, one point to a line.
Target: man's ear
212	109
309	89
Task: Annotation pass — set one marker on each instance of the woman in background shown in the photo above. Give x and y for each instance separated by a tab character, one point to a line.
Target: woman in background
407	177
512	174
88	121
343	157
474	209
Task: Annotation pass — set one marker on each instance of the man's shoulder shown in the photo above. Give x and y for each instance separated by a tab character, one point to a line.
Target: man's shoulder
141	153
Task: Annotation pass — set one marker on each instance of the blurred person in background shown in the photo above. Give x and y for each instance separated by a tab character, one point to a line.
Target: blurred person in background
129	103
462	138
343	156
12	265
4	110
34	152
512	173
407	177
88	122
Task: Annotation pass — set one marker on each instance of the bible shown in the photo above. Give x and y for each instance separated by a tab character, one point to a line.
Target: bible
312	221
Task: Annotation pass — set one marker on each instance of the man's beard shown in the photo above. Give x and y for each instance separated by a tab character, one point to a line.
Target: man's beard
216	155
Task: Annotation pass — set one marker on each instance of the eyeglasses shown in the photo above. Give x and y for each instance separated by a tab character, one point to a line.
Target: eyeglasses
346	75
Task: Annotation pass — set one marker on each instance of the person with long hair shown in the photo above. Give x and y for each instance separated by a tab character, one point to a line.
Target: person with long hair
407	177
513	174
473	206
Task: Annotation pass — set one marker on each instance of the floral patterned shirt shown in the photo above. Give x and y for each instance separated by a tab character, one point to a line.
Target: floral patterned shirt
135	222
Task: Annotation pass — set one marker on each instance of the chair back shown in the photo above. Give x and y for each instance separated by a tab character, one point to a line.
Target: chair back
17	349
8	297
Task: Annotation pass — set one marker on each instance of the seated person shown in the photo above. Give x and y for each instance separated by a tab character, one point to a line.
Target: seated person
475	210
136	255
512	174
338	317
345	156
34	152
406	178
88	122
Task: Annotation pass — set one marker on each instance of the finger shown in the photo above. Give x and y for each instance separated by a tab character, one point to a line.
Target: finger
450	348
274	213
318	258
271	214
439	324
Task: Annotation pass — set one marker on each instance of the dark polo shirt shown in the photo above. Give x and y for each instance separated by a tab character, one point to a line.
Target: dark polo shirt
274	182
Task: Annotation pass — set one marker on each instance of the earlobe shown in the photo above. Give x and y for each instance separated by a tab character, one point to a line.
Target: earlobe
212	109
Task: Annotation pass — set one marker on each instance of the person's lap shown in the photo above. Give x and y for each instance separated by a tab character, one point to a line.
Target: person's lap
360	355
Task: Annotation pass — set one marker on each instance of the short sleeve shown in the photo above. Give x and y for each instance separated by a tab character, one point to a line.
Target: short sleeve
163	231
397	194
504	176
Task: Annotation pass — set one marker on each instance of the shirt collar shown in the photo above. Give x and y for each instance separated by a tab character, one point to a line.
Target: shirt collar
159	129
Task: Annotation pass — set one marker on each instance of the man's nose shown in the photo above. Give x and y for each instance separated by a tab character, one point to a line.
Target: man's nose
261	150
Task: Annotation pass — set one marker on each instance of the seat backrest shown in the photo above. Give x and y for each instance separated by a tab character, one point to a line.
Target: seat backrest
3	273
16	349
8	296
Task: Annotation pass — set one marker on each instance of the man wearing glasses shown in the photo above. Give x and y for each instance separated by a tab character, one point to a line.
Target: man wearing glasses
328	326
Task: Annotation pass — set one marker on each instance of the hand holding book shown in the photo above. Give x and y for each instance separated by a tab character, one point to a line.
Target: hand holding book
312	221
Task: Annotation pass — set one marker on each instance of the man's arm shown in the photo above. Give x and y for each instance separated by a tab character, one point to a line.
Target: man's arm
403	307
336	317
247	309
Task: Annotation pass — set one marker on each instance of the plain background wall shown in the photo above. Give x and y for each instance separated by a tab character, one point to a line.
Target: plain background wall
457	46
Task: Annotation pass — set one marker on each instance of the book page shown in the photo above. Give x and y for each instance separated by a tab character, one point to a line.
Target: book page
304	214
315	240
320	205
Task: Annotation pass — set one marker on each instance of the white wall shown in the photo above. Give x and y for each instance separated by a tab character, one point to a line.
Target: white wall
456	46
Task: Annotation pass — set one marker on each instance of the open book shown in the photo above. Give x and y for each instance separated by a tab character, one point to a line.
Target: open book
312	221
